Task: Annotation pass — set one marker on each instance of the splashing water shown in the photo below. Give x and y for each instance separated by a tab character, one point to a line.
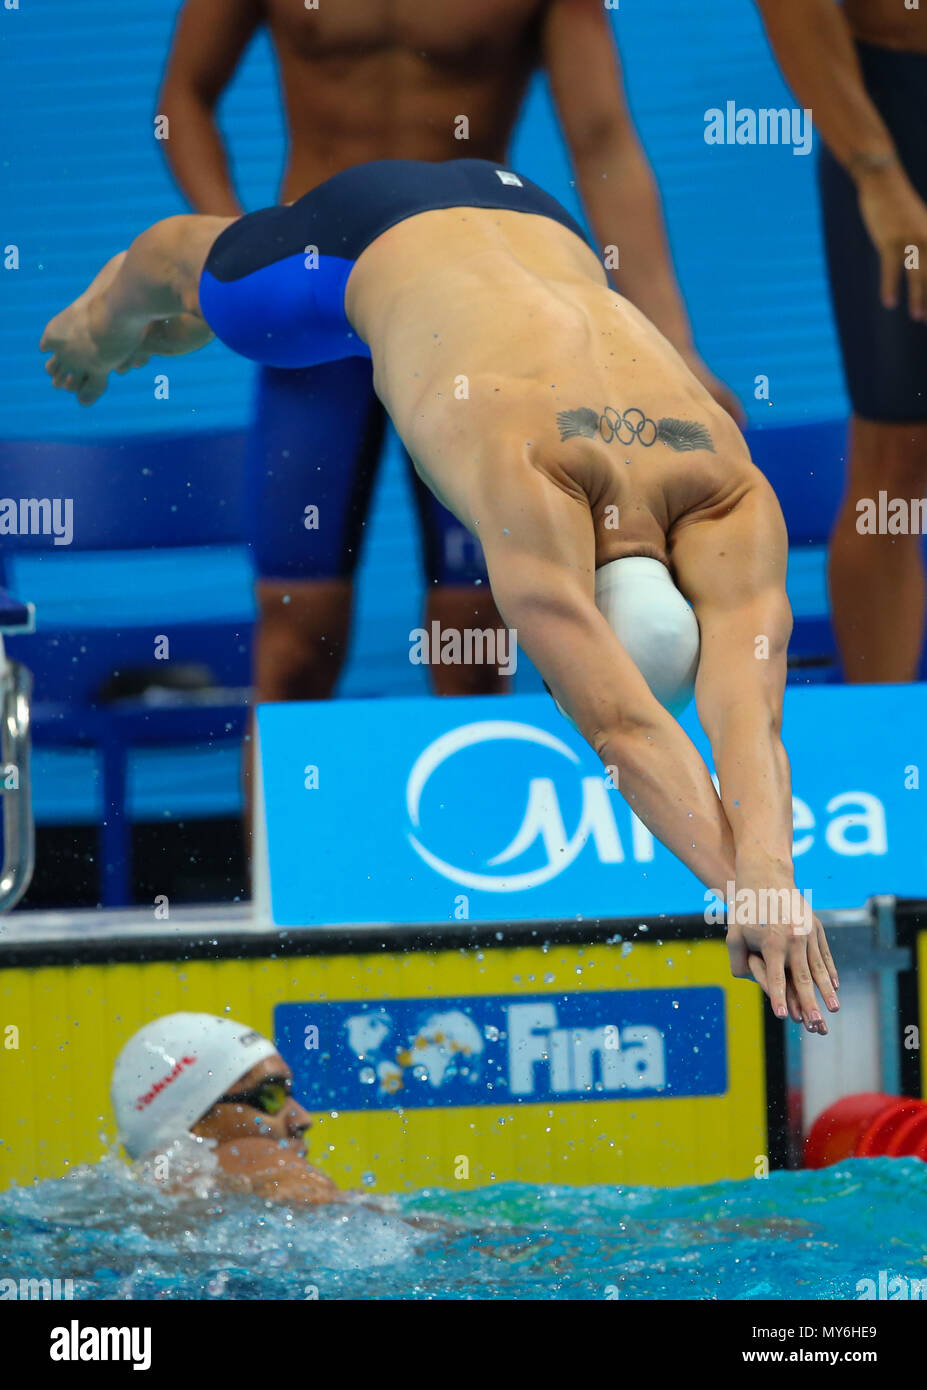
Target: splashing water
118	1235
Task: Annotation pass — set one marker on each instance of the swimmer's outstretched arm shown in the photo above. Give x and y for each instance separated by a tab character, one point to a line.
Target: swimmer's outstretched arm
145	300
731	566
540	551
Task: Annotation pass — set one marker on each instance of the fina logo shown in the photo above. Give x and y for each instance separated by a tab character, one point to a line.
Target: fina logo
542	818
544	1058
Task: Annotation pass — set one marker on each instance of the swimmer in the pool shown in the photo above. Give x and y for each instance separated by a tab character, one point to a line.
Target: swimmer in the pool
208	1076
629	540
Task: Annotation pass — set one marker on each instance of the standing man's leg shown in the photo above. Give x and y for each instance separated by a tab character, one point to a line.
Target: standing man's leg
315	444
317	437
877	581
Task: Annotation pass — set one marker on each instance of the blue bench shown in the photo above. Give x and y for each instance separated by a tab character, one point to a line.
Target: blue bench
156	552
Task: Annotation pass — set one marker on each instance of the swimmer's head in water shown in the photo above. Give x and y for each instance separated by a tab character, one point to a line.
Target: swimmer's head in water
655	625
174	1070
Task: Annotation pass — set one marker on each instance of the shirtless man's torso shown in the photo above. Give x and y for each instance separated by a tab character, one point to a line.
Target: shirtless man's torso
361	81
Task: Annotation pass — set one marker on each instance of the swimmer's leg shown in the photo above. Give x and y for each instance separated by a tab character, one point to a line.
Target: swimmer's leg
107	327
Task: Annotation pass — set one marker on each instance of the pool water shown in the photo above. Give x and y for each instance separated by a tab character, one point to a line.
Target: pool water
790	1236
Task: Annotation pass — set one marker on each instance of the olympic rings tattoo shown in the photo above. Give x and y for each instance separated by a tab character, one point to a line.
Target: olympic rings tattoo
632	426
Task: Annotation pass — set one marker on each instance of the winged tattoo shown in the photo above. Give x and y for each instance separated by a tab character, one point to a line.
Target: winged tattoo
633	426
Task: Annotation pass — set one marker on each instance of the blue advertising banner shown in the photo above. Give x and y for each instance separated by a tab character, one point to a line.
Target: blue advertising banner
493	809
495	1049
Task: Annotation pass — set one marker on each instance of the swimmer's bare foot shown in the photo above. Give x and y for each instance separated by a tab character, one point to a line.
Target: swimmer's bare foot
75	363
85	345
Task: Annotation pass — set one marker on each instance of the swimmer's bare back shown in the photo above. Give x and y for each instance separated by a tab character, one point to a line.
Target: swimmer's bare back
495	340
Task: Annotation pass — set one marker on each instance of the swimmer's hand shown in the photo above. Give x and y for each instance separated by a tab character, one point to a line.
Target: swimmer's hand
787	962
896	220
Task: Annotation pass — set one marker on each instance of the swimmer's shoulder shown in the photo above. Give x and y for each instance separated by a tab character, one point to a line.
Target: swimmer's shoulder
714	480
258	1165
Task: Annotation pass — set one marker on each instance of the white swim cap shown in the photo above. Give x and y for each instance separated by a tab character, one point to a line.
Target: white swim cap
175	1069
654	624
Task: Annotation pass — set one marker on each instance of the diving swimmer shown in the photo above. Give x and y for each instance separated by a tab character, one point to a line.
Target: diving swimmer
570	438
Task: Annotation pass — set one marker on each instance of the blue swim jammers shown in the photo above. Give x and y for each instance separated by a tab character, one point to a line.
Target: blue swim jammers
272	288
